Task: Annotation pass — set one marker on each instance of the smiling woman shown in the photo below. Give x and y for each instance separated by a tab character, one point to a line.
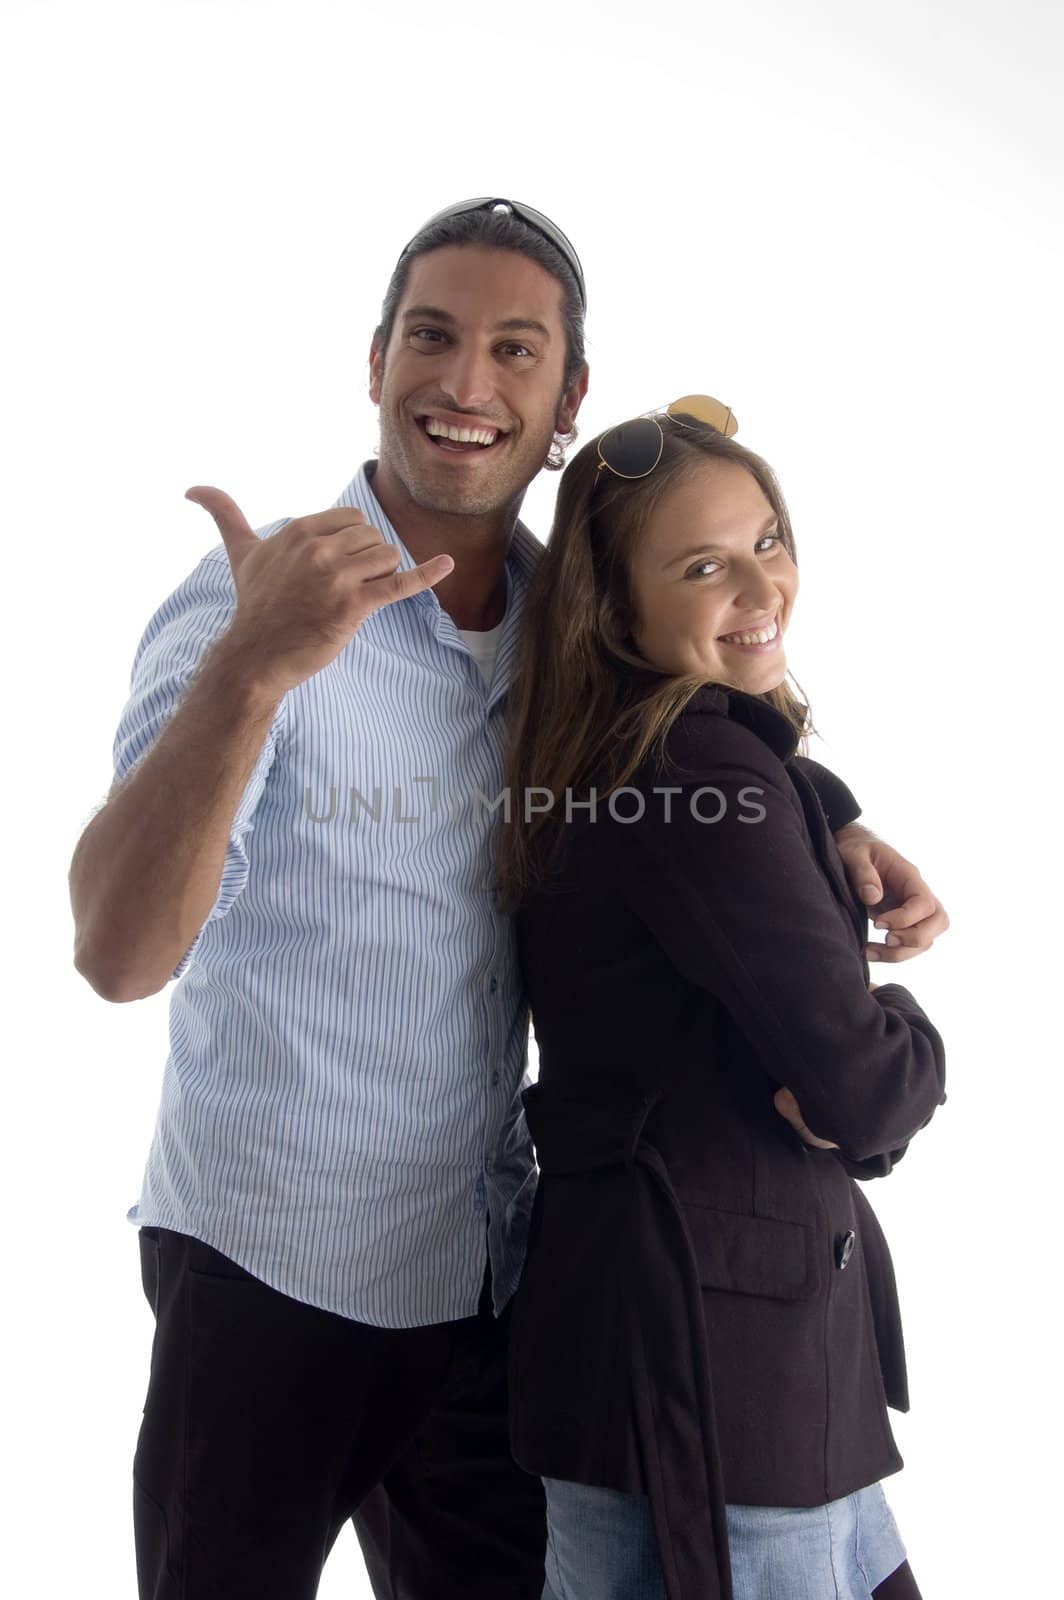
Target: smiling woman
638	604
702	1390
725	615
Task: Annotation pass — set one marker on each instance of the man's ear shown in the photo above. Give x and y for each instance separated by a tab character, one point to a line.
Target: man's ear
376	368
571	401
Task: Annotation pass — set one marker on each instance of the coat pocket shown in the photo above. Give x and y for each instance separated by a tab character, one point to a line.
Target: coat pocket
744	1254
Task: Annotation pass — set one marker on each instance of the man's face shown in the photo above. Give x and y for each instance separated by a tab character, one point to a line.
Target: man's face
478	344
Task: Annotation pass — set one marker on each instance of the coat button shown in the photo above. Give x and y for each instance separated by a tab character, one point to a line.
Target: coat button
844	1248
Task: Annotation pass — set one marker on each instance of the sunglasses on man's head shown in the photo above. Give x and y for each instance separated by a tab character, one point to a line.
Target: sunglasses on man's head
633	449
533	219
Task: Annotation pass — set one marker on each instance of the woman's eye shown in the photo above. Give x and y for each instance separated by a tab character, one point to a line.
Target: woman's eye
765	544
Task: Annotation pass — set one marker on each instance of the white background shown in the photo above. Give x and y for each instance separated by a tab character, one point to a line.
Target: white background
841	218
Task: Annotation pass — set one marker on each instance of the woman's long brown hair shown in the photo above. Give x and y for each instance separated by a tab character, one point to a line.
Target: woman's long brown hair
584	707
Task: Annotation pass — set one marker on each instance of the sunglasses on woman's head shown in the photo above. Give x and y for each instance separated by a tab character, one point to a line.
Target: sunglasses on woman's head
633	449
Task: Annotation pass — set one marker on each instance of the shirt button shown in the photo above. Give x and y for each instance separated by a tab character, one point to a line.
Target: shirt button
844	1248
494	985
494	1079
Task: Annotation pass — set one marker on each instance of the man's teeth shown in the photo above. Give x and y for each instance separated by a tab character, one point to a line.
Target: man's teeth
753	638
443	430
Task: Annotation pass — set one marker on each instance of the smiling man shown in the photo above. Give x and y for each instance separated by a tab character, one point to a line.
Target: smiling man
335	1205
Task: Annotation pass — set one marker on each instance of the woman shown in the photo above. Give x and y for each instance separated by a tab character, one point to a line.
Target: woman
706	1333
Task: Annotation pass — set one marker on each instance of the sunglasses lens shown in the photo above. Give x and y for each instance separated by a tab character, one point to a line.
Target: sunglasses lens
557	238
633	449
705	409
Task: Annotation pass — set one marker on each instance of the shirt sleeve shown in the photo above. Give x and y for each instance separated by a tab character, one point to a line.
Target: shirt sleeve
740	905
166	661
836	800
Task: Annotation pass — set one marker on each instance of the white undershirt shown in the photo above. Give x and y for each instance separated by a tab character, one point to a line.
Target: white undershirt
483	647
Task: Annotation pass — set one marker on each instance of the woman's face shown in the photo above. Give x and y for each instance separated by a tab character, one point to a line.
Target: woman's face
711	569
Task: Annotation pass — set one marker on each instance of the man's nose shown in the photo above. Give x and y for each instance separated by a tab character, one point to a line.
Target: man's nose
468	376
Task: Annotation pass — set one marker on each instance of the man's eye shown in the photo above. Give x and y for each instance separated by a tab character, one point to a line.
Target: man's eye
428	335
517	349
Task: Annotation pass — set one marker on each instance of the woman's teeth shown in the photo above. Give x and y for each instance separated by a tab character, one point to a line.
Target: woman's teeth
752	638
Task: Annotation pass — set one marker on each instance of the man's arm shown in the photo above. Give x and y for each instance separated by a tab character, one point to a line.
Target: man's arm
896	895
147	871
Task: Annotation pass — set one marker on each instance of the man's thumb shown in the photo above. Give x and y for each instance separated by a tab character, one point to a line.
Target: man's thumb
871	890
236	531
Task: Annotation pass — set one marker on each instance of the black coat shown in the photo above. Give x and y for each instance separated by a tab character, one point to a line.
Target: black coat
707	1313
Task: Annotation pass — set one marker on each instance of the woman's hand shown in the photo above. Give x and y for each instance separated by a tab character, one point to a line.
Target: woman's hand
789	1110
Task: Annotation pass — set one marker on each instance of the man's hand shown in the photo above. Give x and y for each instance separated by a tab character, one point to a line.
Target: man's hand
302	595
789	1110
896	895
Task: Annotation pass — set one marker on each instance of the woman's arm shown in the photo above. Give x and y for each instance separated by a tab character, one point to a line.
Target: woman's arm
743	910
873	1167
837	802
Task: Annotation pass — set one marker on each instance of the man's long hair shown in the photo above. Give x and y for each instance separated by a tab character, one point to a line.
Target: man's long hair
498	230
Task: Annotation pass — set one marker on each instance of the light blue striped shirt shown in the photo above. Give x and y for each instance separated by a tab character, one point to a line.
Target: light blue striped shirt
340	1108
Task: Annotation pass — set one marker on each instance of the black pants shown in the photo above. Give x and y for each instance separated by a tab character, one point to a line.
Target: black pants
268	1423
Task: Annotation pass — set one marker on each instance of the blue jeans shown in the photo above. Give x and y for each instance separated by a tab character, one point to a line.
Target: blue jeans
601	1546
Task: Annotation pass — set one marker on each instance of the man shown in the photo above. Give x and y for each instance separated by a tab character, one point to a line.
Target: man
335	1203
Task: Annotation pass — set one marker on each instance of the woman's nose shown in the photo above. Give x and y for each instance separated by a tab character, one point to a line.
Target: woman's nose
755	591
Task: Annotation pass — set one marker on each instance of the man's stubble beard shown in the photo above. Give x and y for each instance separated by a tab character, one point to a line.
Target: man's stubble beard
500	487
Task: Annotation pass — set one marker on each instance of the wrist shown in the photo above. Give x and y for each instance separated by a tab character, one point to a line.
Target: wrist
238	673
855	833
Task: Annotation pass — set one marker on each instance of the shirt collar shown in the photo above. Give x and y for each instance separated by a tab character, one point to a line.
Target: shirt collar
524	552
521	559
